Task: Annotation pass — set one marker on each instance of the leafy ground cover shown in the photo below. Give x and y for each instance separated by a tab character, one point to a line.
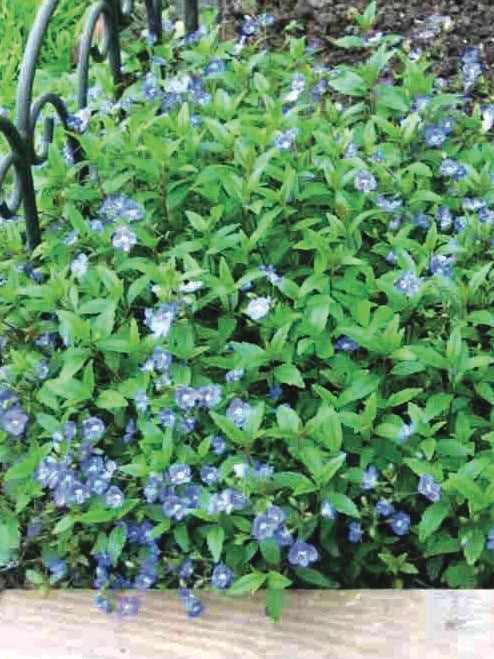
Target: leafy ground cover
254	349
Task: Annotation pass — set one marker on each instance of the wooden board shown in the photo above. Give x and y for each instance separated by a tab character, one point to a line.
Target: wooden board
404	624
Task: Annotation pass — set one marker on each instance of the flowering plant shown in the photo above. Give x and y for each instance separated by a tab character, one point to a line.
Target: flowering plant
260	342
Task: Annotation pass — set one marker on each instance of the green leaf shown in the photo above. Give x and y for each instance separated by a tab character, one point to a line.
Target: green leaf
64	524
343	504
215	538
10	536
475	544
278	581
110	399
349	83
274	603
116	542
299	483
403	396
270	551
314	577
392	97
249	583
289	374
432	519
287	419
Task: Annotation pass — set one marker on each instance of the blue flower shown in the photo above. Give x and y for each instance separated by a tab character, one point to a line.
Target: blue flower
263	527
344	343
400	523
193	606
408	283
124	239
364	181
14	421
234	375
441	264
166	417
388	205
369	478
218	445
57	567
450	167
420	101
161	320
250	27
354	532
121	207
472	204
214	66
174	507
405	432
238	411
384	508
486	216
490	539
328	511
444	217
209	475
429	488
222	576
283	537
351	150
435	136
209	395
270	273
141	401
114	497
284	141
102	603
186	398
93	429
178	473
421	220
186	569
302	554
275	392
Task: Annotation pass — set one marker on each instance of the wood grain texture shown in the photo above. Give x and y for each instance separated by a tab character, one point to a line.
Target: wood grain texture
404	624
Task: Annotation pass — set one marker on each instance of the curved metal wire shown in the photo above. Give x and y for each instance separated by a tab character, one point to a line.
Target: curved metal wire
116	14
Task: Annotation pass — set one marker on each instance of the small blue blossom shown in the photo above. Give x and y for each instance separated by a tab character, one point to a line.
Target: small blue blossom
193	606
351	150
263	527
490	539
93	429
178	473
405	432
435	136
250	27
57	567
450	167
174	507
409	283
141	401
347	344
429	488
354	532
444	217
114	497
364	181
186	569
214	66
486	216
472	204
124	239
160	321
391	257
302	554
283	537
421	220
226	501
222	576
384	508
269	272
328	511
400	523
420	101
447	124
102	603
166	417
275	392
14	421
238	412
276	514
209	395
218	445
441	264
234	375
284	141
186	398
394	223
209	475
369	478
121	207
388	205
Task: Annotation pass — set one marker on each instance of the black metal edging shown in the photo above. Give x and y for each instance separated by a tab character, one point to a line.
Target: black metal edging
20	135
